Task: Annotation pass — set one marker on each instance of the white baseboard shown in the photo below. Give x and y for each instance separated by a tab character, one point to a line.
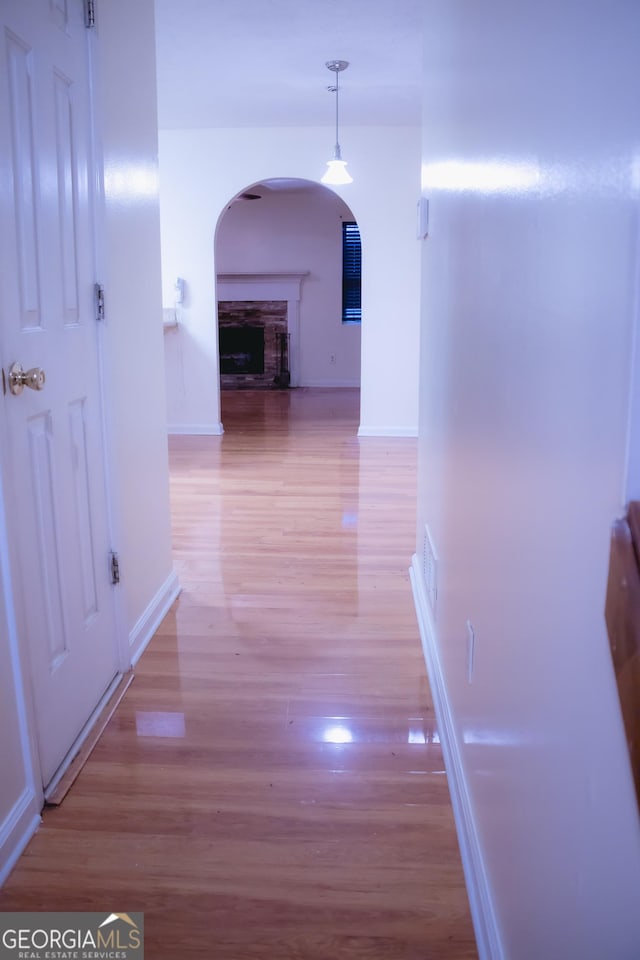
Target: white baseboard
485	921
16	830
152	617
330	383
365	431
195	429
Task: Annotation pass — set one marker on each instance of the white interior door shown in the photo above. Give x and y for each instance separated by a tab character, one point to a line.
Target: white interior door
54	465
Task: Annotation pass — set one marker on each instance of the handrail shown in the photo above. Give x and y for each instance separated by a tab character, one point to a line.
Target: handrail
622	614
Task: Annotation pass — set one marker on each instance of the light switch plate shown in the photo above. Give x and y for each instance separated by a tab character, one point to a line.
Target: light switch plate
423	218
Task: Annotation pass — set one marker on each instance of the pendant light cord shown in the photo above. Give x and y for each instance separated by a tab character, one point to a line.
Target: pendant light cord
337	151
336	172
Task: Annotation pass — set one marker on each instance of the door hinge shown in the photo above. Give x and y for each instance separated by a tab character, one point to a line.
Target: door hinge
99	289
89	13
114	567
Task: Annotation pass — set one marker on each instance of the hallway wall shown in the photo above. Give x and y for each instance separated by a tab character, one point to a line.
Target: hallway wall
19	800
134	346
202	170
530	163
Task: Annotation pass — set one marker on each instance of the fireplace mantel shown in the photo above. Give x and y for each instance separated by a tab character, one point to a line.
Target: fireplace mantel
269	286
277	286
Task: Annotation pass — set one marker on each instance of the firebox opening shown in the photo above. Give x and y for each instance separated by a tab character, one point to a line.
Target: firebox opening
241	349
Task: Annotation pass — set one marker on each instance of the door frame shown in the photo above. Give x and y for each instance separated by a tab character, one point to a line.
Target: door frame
110	459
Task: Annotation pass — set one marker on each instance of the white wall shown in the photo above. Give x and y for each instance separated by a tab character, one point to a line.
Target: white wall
632	486
130	253
19	797
531	145
292	232
202	170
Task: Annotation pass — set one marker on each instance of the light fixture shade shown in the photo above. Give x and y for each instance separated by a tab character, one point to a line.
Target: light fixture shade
337	173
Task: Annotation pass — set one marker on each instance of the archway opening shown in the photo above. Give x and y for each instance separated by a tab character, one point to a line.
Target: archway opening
280	278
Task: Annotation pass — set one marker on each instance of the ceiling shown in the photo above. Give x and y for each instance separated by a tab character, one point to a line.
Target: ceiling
245	63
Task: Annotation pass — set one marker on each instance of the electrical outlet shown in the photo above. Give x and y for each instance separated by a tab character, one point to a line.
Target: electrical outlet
430	570
471	651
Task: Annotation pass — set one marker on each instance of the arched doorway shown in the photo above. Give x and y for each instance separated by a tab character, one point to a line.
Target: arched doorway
279	265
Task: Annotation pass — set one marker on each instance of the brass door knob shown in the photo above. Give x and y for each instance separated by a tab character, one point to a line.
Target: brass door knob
19	379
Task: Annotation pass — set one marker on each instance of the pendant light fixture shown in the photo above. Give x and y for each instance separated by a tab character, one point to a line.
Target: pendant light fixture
336	172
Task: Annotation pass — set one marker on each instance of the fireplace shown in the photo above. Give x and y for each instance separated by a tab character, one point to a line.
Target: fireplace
250	343
242	299
241	349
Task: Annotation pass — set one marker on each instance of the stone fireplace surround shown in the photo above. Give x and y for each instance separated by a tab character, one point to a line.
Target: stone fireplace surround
253	318
247	290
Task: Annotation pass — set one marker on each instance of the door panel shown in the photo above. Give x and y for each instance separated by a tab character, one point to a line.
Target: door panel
45	547
85	549
21	112
67	197
55	468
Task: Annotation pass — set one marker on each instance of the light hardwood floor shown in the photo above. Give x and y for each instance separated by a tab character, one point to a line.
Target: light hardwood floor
272	785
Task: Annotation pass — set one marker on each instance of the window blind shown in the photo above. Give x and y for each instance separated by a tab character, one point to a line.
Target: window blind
351	273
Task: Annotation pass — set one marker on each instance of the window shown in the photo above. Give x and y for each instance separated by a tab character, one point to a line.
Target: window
351	272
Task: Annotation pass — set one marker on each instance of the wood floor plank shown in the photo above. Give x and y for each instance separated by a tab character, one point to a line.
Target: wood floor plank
272	785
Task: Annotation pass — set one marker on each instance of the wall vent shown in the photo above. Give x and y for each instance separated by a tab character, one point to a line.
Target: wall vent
430	569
